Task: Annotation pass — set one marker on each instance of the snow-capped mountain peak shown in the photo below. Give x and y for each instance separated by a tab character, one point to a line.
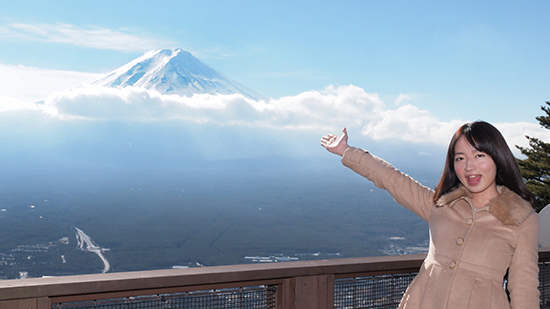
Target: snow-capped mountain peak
173	72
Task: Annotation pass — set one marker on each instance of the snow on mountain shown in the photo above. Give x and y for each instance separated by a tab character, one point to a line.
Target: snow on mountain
174	72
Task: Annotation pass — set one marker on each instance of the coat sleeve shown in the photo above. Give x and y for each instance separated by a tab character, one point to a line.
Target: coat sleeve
523	276
405	190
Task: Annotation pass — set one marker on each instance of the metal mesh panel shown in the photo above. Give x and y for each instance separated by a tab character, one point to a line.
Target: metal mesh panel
371	292
544	285
260	297
386	291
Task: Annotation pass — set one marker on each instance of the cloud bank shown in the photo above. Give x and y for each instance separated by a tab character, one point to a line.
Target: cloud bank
323	111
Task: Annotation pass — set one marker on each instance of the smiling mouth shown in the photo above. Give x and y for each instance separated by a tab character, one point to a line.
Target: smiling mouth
473	180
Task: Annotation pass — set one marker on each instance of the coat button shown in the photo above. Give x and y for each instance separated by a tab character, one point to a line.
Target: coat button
452	264
459	241
470	221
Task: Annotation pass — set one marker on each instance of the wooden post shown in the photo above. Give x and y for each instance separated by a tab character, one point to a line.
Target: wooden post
308	292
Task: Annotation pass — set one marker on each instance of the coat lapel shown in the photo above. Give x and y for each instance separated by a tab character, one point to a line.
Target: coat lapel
451	197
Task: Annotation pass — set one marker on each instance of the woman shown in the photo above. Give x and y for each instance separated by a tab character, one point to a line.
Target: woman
481	219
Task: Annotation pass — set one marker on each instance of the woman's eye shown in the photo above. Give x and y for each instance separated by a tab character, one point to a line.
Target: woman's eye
480	155
458	159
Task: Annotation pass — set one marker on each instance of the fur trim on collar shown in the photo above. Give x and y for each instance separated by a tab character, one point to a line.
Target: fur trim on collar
508	207
452	196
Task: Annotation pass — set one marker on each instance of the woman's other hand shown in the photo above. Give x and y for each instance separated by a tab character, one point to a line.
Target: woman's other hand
336	144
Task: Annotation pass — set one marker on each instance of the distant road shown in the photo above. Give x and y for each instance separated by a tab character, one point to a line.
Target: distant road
86	243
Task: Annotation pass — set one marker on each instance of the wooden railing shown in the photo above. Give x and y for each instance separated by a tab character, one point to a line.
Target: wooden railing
303	285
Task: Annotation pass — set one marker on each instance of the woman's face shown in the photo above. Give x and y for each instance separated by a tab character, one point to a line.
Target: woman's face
476	170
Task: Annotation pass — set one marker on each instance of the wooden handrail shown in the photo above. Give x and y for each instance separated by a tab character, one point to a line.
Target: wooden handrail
202	276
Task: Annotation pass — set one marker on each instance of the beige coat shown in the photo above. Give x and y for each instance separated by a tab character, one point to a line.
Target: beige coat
470	250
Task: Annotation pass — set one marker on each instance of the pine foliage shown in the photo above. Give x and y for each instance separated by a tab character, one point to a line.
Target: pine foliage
536	167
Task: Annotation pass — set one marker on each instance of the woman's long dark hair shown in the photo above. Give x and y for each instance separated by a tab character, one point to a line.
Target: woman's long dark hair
486	138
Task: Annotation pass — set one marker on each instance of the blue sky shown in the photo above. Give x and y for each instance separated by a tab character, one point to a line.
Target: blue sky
452	60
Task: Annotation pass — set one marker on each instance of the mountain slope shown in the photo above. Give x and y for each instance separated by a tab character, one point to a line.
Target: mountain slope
174	72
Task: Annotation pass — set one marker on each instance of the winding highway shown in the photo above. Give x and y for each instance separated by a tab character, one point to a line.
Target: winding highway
85	243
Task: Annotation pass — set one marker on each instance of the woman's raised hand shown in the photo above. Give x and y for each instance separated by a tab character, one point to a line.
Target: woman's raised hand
336	144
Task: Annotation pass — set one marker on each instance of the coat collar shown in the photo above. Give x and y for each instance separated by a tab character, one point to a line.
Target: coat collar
507	206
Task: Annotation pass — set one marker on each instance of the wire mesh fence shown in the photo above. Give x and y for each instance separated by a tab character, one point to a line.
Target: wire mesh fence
544	285
258	297
383	291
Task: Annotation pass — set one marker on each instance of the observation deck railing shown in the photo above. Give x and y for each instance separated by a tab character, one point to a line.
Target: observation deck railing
371	282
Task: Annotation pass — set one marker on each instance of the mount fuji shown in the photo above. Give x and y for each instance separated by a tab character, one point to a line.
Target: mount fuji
174	72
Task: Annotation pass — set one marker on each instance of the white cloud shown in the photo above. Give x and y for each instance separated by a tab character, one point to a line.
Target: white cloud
410	124
11	103
403	97
23	83
95	37
515	133
315	111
